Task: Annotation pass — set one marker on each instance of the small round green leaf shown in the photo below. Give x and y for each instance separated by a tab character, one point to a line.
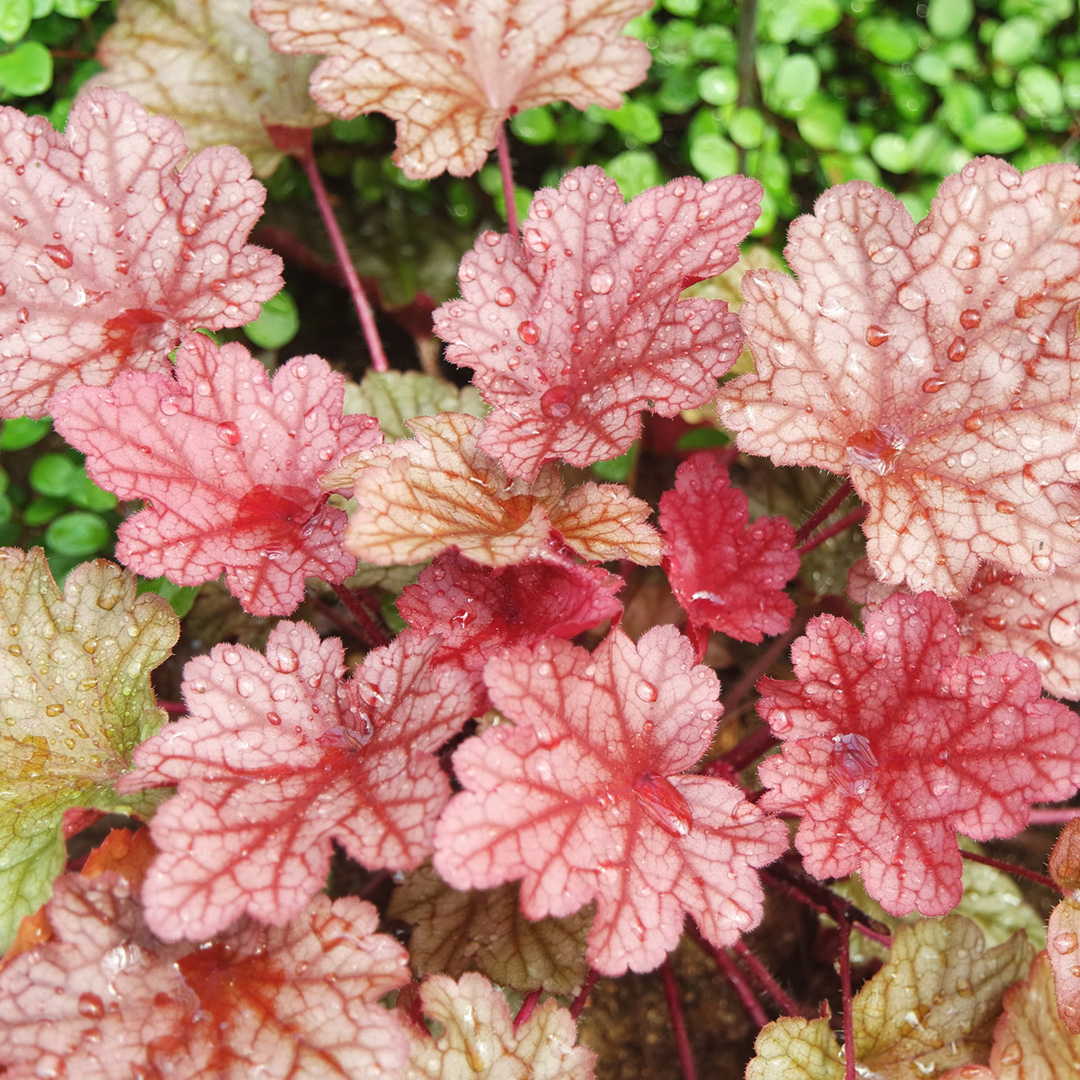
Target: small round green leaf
995	133
713	156
747	127
949	19
278	323
1039	91
27	70
892	41
534	126
21	432
822	121
795	81
718	86
53	474
76	9
1016	41
635	171
890	151
85	494
78	534
15	17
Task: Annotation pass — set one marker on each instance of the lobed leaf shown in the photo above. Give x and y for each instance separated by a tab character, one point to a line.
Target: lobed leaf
277	758
393	397
893	743
480	1039
110	254
206	65
1063	938
105	998
576	329
725	577
77	701
584	798
604	522
792	1048
451	75
934	364
227	461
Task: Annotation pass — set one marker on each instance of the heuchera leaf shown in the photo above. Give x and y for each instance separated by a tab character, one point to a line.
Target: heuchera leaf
893	743
584	798
417	497
724	576
935	364
1004	611
277	758
485	931
209	67
1063	950
1030	1042
229	461
477	610
577	328
795	1049
109	254
480	1040
105	999
393	397
76	702
451	74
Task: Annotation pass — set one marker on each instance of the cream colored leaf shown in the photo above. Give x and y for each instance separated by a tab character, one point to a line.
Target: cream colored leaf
604	521
795	1049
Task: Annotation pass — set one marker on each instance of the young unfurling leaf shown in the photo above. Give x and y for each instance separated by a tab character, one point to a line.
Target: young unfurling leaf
108	254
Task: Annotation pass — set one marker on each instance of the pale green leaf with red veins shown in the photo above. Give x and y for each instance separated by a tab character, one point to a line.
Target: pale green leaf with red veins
227	460
940	973
277	758
450	74
893	743
209	67
576	328
393	397
485	931
77	700
480	1042
1030	1042
104	998
935	364
1065	858
109	254
1004	611
585	798
795	1049
1063	932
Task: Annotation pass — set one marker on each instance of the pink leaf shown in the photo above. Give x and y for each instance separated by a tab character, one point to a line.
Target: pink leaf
893	744
584	798
935	364
451	75
229	461
109	254
1003	611
578	328
105	999
725	577
277	758
479	610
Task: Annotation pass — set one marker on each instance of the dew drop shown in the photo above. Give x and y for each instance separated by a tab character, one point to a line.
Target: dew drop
885	253
91	1006
1065	943
1005	507
957	350
1002	249
646	691
1041	563
557	402
994	622
970	318
505	296
53	710
169	406
602	279
974	422
1064	627
59	255
528	332
229	433
967	258
933	384
852	764
231	656
245	685
273	718
876	335
535	240
968	458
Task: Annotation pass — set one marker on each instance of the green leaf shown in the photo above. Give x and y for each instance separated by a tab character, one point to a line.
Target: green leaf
616	470
713	156
77	701
85	493
21	432
718	86
686	8
822	121
892	41
890	151
794	83
15	18
715	44
75	9
637	120
795	1049
42	511
53	474
360	129
393	397
635	171
949	19
78	534
963	105
180	597
1016	41
802	20
277	325
933	68
534	126
1039	91
27	70
995	133
747	128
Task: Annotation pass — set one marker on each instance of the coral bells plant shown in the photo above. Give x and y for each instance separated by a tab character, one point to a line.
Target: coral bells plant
619	729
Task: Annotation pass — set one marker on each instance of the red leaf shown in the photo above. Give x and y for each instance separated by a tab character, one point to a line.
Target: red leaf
725	577
935	364
105	999
584	798
893	744
111	254
575	330
229	463
451	75
277	758
479	610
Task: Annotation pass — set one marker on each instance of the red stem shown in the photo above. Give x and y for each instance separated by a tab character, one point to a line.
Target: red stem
1017	871
306	158
748	680
370	631
678	1021
1058	816
823	512
176	708
846	996
527	1007
728	968
764	979
845	522
507	179
583	993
